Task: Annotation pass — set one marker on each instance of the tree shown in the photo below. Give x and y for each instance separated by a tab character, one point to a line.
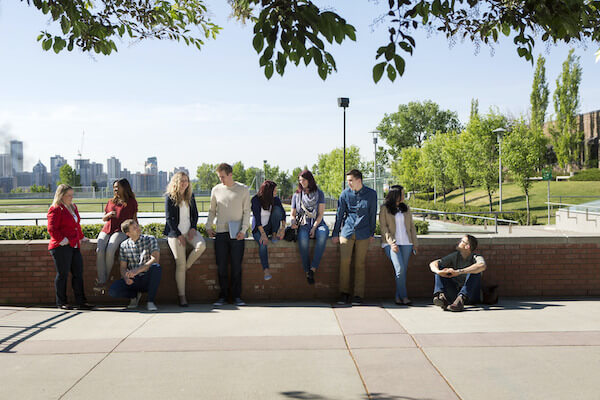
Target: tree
523	150
206	177
565	136
68	176
454	154
296	31
409	170
539	95
39	189
329	170
414	123
436	167
474	109
239	173
482	150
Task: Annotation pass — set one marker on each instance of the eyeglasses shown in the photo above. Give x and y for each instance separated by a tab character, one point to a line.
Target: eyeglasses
464	241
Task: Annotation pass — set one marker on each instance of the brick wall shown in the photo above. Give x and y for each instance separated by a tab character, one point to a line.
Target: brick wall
522	266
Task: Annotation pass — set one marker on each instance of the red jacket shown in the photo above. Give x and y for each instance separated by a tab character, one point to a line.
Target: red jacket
61	224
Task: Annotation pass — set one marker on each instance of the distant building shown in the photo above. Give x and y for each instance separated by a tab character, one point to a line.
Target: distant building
83	169
16	155
40	174
7	183
113	169
56	163
125	173
24	179
589	124
162	180
151	169
6	168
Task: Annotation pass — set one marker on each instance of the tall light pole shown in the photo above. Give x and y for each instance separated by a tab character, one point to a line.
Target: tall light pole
375	133
499	133
344	102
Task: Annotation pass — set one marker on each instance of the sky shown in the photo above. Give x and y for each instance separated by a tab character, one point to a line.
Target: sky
188	107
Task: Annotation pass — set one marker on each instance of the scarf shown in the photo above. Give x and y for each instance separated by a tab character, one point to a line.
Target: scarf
308	202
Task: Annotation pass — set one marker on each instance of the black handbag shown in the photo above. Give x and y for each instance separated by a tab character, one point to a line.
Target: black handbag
291	234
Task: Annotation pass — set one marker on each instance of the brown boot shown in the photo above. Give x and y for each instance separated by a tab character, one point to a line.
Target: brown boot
440	300
458	305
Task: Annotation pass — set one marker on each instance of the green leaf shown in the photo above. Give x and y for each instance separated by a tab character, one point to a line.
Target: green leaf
378	71
269	70
258	42
400	64
65	25
323	70
506	29
390	50
391	72
47	44
406	47
522	52
59	44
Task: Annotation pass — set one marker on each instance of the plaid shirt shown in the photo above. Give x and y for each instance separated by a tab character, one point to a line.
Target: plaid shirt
139	252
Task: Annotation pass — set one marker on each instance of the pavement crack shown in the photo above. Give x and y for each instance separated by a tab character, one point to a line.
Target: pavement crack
362	379
105	357
418	345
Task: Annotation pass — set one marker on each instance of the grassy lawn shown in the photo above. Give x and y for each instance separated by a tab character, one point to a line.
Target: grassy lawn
145	204
513	197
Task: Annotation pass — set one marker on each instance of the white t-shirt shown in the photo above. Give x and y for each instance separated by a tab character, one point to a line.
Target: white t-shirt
184	218
402	238
265	215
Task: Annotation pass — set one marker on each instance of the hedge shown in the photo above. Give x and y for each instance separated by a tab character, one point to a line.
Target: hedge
591	174
91	231
520	216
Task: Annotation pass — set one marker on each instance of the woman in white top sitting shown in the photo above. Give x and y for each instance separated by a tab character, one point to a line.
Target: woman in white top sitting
180	228
398	237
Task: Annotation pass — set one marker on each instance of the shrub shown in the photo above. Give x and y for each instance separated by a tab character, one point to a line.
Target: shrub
23	232
591	174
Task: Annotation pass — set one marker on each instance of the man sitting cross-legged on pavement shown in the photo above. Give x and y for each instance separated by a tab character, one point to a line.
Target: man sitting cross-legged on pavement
458	276
139	255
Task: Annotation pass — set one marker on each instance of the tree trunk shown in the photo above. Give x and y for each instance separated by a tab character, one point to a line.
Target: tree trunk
490	198
464	195
528	217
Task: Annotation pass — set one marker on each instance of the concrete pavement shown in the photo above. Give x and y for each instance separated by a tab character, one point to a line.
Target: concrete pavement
518	349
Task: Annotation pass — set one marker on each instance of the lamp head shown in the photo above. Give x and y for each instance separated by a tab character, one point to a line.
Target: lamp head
343	102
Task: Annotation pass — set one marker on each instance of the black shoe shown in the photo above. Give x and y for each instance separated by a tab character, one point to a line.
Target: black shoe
440	300
310	277
357	301
344	299
64	307
85	306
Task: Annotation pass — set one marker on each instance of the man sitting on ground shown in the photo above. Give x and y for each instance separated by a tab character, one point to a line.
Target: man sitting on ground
458	276
140	270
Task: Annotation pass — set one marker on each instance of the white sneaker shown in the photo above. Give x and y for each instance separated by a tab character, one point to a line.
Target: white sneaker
134	302
151	306
239	302
220	301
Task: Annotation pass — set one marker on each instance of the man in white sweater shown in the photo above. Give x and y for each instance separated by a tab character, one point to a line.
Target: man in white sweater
230	204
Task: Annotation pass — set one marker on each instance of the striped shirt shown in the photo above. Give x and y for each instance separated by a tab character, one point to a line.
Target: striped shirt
138	252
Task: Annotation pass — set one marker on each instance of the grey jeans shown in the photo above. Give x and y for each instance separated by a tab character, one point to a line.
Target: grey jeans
105	253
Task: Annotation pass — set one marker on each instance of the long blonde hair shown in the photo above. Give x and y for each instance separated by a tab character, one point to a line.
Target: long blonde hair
173	189
61	190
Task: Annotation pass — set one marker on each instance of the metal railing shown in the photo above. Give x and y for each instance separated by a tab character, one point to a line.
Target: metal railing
569	210
424	212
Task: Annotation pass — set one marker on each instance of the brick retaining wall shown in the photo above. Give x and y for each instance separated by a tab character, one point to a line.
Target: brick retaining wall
522	266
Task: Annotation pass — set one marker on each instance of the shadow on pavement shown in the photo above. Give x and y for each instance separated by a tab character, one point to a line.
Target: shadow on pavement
23	333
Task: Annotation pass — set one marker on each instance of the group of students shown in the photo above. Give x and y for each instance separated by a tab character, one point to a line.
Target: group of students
457	276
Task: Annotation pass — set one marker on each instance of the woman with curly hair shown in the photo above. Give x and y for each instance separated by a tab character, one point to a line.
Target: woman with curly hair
180	229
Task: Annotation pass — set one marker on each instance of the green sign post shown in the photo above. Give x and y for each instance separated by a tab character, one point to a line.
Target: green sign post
547	176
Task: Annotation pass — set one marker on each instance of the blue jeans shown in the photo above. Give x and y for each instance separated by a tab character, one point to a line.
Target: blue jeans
146	282
471	288
321	235
400	263
270	228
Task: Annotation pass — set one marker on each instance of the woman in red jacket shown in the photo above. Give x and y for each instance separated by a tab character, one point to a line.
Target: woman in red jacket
121	207
65	241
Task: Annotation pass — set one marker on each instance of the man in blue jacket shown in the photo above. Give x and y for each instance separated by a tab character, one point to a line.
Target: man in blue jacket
356	218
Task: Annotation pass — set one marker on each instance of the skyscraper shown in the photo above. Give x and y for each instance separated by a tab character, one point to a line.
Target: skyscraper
55	163
82	167
113	169
16	155
40	174
6	165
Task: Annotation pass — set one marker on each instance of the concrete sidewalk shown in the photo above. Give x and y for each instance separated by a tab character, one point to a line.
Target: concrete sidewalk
518	349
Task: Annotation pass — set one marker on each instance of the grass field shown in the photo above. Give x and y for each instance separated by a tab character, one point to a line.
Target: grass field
513	197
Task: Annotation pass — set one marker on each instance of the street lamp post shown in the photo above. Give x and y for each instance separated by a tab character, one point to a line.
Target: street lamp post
344	102
499	133
375	133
